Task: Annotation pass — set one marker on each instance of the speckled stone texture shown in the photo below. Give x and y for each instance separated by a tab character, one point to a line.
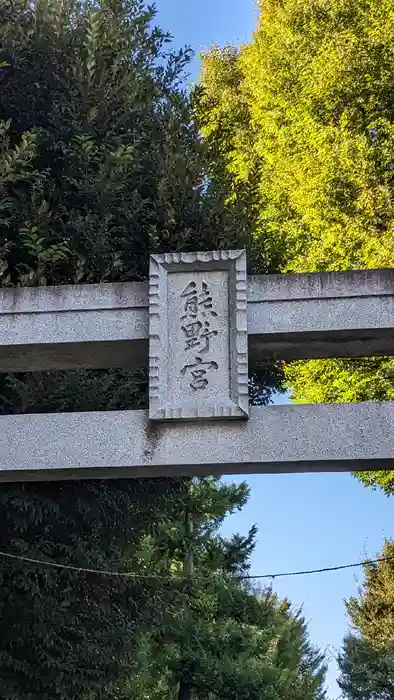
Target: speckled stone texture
198	342
322	314
65	327
329	314
341	437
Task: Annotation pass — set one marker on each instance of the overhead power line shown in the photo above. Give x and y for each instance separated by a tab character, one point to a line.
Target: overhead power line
132	575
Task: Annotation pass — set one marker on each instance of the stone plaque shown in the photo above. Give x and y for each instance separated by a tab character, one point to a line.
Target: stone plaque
198	336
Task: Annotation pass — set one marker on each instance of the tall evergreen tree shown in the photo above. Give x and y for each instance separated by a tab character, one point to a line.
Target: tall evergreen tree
300	126
367	658
226	640
367	673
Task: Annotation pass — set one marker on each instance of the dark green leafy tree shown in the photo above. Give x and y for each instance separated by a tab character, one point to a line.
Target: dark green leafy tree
100	164
101	160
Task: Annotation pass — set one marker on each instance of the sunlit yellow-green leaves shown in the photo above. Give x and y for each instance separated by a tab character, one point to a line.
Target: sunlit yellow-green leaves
301	126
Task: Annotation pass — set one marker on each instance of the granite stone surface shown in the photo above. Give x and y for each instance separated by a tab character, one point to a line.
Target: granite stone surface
336	314
275	439
198	344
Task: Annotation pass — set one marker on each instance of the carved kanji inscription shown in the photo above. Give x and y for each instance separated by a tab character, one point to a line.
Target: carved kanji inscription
198	336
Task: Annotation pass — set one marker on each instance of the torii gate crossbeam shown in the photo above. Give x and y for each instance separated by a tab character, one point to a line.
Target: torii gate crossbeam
198	322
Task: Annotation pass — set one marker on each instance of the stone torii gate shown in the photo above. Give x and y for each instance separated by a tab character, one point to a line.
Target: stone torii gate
200	321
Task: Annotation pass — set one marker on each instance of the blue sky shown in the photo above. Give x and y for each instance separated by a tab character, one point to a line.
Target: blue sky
306	521
199	24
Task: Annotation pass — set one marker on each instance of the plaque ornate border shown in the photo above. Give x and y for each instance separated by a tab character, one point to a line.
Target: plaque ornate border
160	264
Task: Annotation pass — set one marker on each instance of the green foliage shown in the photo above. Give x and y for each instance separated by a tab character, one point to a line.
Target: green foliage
372	613
366	673
367	658
226	639
242	646
97	124
65	633
101	163
300	129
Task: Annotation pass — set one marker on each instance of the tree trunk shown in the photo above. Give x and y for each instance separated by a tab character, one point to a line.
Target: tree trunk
185	691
